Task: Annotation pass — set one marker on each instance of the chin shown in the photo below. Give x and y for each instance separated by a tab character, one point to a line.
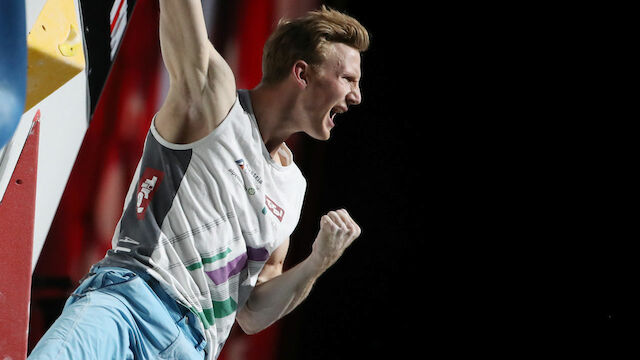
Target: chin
322	137
323	134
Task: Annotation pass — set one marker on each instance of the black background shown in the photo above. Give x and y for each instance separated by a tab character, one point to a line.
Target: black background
489	166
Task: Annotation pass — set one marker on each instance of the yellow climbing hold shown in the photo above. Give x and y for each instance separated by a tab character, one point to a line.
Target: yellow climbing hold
72	44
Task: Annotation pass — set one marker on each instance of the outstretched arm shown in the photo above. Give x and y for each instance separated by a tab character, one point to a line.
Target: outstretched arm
202	86
278	293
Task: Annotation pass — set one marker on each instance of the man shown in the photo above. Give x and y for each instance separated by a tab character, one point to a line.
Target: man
206	222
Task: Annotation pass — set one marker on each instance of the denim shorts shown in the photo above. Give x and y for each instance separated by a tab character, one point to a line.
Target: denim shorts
117	313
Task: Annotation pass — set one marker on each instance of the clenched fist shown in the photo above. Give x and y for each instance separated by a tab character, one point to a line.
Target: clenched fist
337	232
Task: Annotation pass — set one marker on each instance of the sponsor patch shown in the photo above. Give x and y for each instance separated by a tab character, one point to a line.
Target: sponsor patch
151	179
276	210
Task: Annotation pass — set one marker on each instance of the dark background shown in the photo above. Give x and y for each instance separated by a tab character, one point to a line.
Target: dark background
490	168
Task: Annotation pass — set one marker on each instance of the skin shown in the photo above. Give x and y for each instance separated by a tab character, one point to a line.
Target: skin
313	94
201	93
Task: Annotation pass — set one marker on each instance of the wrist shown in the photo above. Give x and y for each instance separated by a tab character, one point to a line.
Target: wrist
317	264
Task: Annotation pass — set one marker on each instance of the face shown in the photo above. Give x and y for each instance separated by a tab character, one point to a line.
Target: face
333	86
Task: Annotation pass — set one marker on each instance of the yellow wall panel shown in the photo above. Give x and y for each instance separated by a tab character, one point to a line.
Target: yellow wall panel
55	51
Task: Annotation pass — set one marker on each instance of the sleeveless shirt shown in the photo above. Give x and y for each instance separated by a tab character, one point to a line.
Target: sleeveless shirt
203	218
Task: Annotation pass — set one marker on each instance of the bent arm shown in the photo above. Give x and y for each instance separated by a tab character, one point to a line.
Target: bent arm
202	85
277	293
275	298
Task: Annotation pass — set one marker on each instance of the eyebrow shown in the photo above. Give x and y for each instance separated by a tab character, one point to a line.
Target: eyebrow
356	72
355	75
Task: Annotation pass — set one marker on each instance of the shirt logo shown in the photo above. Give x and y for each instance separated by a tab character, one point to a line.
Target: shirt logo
244	166
274	208
151	179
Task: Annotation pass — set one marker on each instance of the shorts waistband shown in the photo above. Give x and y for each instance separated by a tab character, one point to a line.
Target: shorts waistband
175	310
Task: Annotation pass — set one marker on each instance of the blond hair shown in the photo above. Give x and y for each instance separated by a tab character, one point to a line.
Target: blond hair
306	38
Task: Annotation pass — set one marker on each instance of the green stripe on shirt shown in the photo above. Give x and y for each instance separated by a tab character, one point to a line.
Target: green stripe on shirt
209	260
220	310
206	316
224	308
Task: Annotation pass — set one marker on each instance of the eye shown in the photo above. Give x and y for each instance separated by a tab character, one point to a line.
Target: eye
351	80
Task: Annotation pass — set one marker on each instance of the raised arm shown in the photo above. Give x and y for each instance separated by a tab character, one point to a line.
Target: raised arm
202	86
277	293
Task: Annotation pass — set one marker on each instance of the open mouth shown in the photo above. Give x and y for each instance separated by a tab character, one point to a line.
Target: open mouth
332	114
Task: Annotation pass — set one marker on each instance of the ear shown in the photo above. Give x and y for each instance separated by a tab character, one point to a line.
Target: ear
300	72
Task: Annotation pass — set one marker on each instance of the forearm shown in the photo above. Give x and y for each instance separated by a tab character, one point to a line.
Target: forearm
275	298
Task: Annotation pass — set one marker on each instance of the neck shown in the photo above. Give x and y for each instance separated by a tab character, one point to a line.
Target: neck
272	106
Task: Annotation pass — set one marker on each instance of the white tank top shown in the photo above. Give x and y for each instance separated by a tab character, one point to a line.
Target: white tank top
203	218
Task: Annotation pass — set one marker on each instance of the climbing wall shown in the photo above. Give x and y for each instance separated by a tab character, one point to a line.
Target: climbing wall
44	115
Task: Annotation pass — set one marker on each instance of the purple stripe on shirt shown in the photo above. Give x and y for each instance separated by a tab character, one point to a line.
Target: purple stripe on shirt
233	267
257	254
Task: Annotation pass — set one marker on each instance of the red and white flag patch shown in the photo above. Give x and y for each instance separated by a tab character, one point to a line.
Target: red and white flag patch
274	208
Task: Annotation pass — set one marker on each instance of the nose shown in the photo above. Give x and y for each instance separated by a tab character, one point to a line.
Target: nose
354	97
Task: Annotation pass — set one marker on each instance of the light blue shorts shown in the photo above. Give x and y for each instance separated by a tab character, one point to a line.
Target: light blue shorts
118	314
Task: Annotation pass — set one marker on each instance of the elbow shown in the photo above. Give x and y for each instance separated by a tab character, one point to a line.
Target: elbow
247	322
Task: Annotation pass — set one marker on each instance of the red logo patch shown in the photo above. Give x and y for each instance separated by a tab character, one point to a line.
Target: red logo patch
151	179
274	208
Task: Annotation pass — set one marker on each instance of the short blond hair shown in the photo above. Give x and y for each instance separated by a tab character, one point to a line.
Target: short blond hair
306	38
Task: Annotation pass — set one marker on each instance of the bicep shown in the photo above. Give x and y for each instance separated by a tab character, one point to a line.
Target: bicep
274	265
202	86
